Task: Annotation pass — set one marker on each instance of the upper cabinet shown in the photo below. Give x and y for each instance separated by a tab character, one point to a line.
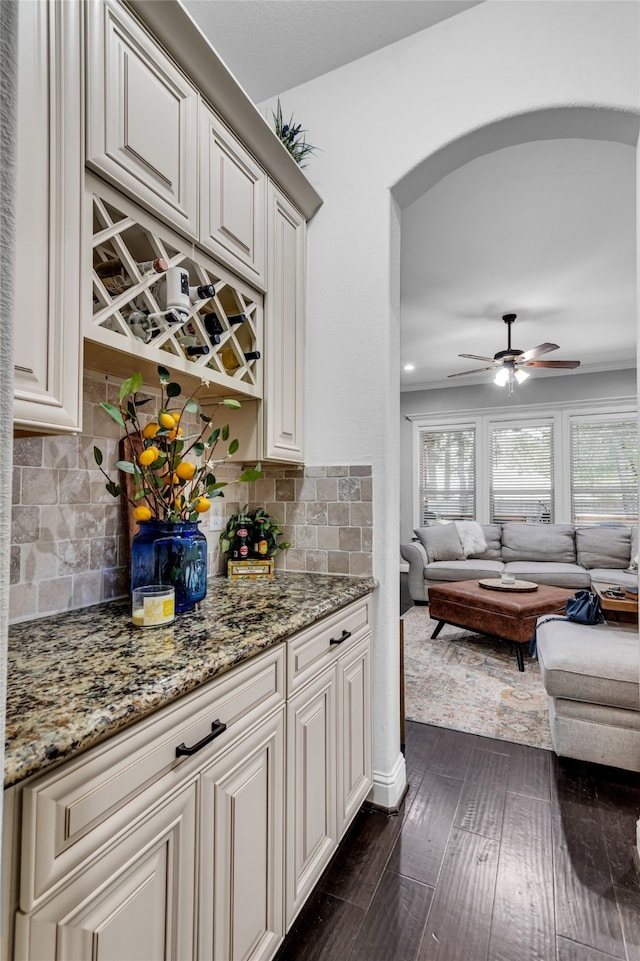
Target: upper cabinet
232	201
142	120
49	192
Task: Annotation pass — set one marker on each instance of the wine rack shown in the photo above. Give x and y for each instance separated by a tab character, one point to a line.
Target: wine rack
226	326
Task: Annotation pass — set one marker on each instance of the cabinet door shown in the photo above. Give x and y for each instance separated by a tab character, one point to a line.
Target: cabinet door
241	849
311	787
142	121
284	332
136	902
354	731
49	172
232	201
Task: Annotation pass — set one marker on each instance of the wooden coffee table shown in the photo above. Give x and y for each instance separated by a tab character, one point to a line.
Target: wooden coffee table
510	615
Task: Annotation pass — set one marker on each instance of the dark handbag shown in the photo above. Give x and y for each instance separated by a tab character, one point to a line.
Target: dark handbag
584	608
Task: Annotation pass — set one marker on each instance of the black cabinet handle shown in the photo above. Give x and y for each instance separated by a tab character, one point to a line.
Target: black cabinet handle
217	728
339	640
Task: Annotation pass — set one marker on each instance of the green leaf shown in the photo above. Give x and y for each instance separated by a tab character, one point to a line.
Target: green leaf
114	413
214	488
97	454
233	446
252	474
231	404
213	437
140	494
164	375
191	407
198	448
130	386
205	418
126	466
158	462
225	432
173	389
131	410
113	489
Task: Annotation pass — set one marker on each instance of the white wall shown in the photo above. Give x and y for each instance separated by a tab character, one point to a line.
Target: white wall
539	390
379	121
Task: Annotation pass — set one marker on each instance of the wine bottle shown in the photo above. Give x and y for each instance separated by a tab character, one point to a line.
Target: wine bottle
202	292
260	543
234	319
242	539
196	350
188	340
213	327
115	268
230	360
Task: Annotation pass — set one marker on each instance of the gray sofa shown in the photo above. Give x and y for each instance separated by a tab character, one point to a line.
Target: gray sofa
557	554
592	678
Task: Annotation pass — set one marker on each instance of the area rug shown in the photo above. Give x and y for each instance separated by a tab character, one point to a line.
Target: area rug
471	683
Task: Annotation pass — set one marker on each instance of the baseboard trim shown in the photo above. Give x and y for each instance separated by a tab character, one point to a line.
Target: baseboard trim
389	787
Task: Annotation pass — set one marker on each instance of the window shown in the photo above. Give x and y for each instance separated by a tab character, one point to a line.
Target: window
604	470
521	473
447	474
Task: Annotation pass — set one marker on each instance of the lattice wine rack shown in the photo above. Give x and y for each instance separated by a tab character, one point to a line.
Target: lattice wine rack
218	337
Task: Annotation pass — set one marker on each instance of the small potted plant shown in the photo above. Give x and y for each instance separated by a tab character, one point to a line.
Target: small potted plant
258	517
292	136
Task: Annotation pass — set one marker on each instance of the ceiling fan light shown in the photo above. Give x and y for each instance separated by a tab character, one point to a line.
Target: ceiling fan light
502	377
521	376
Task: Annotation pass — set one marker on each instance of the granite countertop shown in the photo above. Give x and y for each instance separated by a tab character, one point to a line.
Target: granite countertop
76	678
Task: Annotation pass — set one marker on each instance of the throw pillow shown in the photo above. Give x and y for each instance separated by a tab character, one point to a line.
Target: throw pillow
471	537
441	543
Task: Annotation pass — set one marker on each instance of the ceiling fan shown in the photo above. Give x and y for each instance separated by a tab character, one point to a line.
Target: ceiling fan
510	364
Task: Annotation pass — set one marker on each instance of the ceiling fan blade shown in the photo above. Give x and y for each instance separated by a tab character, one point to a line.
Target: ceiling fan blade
489	360
536	351
550	363
476	370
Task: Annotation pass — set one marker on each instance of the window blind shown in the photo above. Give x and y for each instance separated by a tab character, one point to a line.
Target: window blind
521	473
447	474
604	471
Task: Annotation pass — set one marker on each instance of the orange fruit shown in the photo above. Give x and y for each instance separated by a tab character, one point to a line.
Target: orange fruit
201	504
150	430
148	456
175	433
142	513
186	470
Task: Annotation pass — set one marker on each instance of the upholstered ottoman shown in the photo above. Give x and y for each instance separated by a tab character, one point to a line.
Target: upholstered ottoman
510	615
592	676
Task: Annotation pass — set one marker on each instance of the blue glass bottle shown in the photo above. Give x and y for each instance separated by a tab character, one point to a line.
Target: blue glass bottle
174	553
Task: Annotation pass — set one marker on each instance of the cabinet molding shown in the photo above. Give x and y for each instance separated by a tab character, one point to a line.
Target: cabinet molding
49	192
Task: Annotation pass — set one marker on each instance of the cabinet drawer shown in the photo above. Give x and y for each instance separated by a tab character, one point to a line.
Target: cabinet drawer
312	650
70	815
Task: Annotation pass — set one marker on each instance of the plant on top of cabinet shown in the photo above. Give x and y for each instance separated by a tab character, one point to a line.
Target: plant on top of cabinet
292	136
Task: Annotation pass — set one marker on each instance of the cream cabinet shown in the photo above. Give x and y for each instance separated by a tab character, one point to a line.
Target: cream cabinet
329	742
145	847
284	332
142	117
49	252
232	200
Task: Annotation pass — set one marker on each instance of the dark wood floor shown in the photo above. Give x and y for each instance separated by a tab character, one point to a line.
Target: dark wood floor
500	852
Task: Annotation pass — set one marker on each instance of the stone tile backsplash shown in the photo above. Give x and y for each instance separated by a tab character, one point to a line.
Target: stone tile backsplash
68	534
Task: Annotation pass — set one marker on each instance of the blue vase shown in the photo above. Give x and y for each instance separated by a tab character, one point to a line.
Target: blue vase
173	553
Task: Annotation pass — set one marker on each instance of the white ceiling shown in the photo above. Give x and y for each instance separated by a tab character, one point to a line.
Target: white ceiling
545	230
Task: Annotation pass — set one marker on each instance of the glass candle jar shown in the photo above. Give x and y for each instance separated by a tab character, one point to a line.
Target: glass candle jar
152	605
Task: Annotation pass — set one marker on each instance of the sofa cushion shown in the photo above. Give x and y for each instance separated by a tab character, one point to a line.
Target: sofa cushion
471	537
468	570
493	551
555	574
539	542
595	663
441	542
608	547
613	576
